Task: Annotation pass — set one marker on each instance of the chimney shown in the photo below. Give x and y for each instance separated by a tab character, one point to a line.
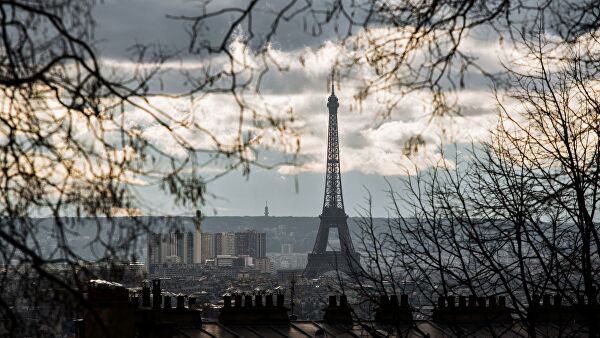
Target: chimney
156	296
226	301
441	302
535	300
450	299
580	300
332	301
404	300
502	301
344	301
472	301
338	314
546	301
167	301
258	300
238	300
557	300
180	302
383	301
462	301
146	295
258	313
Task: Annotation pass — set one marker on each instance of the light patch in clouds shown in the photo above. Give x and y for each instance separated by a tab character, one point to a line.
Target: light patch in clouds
367	146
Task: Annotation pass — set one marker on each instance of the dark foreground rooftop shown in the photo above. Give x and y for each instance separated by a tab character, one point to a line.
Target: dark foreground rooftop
114	312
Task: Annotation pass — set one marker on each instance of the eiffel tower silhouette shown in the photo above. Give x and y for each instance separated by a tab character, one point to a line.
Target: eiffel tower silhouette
346	259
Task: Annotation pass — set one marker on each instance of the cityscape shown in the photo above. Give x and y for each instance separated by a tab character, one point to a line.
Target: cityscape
296	168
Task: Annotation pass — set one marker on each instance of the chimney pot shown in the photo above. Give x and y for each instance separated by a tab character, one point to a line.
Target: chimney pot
344	301
394	301
404	300
557	300
546	301
238	300
269	300
156	295
502	301
167	305
462	301
248	301
332	301
226	301
441	302
383	301
451	301
481	301
492	301
146	296
581	300
535	300
472	301
280	300
180	302
258	300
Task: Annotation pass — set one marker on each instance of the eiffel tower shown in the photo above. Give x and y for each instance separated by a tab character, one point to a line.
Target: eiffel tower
346	259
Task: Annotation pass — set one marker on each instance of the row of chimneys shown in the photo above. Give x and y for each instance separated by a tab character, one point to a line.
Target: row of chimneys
392	301
495	302
557	300
471	301
158	299
258	301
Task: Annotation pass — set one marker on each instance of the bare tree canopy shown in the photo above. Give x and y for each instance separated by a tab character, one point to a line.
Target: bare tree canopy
516	218
401	46
518	221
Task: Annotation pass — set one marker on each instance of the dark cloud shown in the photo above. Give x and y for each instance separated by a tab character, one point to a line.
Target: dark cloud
122	23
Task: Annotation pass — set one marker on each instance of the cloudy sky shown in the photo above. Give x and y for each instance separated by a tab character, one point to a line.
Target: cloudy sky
371	147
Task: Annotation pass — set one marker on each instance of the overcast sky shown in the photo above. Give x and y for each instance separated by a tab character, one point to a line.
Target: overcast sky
371	149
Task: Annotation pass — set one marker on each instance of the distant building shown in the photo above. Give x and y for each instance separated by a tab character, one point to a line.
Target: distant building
286	249
288	261
251	243
175	247
229	260
198	243
198	247
266	209
263	265
228	243
208	247
217	244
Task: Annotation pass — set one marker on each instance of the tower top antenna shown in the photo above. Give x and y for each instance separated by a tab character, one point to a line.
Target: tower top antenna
332	86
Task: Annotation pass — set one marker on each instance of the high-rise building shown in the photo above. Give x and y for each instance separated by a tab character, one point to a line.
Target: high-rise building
154	254
198	243
174	247
217	243
208	247
228	243
251	243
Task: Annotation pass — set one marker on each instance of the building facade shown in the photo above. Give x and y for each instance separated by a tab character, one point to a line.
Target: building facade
175	247
251	243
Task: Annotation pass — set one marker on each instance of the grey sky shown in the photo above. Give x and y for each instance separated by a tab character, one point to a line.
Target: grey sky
370	151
